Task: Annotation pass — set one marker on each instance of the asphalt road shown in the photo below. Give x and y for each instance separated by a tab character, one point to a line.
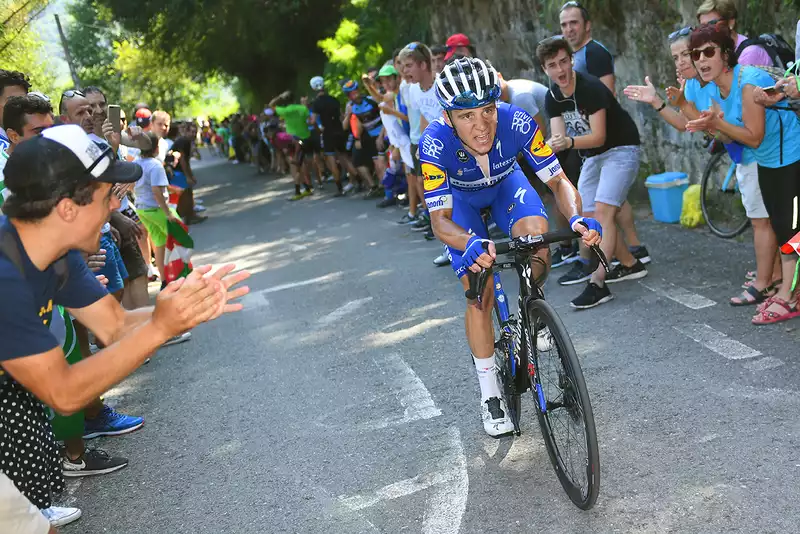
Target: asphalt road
343	399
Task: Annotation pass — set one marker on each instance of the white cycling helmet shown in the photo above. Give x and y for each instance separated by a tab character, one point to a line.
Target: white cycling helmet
467	83
317	83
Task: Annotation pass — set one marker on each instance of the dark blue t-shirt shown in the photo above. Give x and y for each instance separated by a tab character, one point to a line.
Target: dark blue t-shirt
27	302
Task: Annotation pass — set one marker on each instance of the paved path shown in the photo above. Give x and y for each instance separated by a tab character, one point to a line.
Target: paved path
344	400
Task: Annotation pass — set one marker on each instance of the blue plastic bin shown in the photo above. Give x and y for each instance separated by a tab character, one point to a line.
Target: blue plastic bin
666	195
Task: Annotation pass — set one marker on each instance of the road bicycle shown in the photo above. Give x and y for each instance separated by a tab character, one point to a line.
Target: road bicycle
720	198
548	368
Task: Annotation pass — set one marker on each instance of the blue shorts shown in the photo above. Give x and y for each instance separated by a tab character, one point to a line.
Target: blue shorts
114	268
511	200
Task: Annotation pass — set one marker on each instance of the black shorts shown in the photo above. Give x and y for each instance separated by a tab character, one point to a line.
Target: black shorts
571	163
363	156
415	156
316	141
306	148
334	142
780	189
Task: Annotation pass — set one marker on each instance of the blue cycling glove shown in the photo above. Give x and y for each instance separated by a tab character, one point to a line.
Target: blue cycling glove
473	251
588	222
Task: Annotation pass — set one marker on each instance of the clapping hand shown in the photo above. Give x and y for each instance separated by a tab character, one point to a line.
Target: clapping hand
642	93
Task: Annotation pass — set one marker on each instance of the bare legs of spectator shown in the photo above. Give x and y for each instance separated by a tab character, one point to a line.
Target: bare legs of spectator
767	261
319	165
613	244
159	253
625	221
413	193
366	175
380	167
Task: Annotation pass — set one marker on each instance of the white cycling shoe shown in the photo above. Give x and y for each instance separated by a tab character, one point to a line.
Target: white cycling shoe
495	416
544	340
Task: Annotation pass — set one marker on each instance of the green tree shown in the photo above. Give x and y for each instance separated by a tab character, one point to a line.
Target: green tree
20	48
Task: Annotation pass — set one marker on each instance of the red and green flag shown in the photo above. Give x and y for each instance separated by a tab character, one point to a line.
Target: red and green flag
793	246
178	253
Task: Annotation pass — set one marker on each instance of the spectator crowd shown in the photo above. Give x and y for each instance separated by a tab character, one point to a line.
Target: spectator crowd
82	177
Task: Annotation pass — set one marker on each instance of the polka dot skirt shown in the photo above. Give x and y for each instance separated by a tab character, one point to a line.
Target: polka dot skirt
28	451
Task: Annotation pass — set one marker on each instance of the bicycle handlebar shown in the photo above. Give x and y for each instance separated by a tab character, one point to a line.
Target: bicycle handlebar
529	244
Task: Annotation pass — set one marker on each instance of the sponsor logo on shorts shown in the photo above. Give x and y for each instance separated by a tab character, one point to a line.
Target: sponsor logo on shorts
462	156
433	177
521	122
539	148
442	202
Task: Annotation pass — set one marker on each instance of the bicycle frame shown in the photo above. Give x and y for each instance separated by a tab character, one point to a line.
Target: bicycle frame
521	264
731	172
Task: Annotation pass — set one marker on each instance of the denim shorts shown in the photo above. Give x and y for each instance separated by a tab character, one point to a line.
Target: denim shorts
608	177
114	268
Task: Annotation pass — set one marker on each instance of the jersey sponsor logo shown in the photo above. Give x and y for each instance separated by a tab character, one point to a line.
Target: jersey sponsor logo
502	164
539	148
521	122
462	156
433	177
443	202
554	169
431	147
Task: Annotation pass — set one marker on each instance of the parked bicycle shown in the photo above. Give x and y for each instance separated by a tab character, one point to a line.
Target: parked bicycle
548	368
720	199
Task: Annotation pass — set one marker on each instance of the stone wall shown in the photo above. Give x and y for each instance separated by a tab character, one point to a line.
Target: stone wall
507	32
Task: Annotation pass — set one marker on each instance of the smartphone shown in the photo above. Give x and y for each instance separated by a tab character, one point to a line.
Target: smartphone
773	90
114	117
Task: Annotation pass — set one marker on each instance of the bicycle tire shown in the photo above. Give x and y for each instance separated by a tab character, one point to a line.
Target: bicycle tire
511	394
539	312
708	183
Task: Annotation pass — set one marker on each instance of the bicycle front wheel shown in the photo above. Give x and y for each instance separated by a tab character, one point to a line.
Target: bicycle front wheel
720	198
562	405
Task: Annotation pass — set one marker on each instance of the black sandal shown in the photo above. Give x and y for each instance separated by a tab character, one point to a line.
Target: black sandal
758	296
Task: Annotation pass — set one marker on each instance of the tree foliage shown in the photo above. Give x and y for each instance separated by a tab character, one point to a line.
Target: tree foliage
267	44
20	47
129	71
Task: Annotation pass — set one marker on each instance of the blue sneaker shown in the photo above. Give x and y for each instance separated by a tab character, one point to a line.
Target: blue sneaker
110	423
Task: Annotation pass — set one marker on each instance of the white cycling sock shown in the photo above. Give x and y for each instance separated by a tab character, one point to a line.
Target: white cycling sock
487	377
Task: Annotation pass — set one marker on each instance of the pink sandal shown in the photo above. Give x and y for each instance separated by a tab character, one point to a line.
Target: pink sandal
764	316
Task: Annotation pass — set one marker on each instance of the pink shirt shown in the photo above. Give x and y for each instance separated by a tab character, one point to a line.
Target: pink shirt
753	54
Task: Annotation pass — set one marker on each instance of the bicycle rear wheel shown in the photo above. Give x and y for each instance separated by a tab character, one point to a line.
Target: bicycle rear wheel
563	406
720	198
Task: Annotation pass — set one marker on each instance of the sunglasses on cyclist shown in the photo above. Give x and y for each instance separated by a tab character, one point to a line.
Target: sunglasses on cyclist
683	32
709	52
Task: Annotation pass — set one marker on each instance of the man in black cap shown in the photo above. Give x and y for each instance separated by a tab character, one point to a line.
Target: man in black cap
62	193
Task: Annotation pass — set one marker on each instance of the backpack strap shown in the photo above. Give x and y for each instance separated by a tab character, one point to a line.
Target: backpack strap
9	247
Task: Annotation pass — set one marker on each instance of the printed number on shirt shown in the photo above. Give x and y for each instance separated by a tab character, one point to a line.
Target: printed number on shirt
431	147
521	122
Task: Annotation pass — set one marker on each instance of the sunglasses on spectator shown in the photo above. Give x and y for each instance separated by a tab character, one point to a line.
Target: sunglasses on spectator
71	93
572	3
709	52
37	94
683	32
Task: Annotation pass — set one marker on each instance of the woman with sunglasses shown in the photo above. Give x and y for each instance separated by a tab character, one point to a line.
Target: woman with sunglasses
691	97
771	138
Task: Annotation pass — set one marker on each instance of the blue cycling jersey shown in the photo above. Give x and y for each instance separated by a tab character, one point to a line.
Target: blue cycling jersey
369	114
447	164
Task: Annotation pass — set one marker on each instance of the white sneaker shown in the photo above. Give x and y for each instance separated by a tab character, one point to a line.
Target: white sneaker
186	336
347	188
60	516
494	414
443	259
544	340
